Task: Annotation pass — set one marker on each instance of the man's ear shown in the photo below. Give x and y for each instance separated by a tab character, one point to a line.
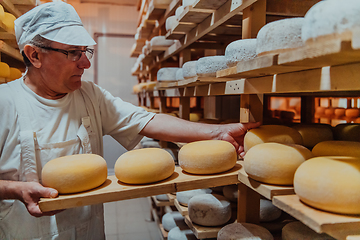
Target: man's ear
33	54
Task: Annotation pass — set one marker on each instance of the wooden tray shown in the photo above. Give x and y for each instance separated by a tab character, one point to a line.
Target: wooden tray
113	190
336	225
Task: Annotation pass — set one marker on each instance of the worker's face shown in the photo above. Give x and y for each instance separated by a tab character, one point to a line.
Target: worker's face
60	74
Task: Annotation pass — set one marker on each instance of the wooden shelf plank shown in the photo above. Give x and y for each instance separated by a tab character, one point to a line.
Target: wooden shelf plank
202	232
338	226
193	15
162	232
159	203
209	4
181	209
113	190
166	84
9	6
10	51
266	190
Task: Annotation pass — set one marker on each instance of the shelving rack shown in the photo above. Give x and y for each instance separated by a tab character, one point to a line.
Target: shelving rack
325	70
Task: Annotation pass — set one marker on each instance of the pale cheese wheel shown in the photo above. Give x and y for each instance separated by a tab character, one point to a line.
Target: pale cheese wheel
189	69
161	41
330	184
178	234
4	70
278	36
268	212
209	210
275	163
167	74
347	132
352	112
299	231
178	12
171	220
179	75
312	134
74	173
147	165
231	192
188	2
162	197
337	148
8	20
170	23
331	19
240	50
184	196
14	73
243	231
207	157
271	133
208	66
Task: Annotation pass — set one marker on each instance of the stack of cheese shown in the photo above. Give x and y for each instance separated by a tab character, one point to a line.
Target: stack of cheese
7	19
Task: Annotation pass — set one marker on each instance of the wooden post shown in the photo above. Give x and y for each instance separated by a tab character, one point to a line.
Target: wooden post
251	108
184	108
254	18
184	56
248	205
307	109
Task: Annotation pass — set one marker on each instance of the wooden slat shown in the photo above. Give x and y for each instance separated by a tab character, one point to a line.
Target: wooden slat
159	203
209	4
289	7
181	209
9	6
113	190
266	190
193	15
336	225
10	51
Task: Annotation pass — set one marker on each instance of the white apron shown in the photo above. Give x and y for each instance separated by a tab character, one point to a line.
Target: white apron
82	223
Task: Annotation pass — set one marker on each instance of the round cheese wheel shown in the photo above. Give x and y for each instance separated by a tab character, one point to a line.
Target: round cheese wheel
149	86
167	74
339	112
208	66
188	2
14	74
240	50
275	163
179	11
4	70
331	19
352	112
347	132
297	230
184	196
74	173
2	12
279	36
207	157
312	134
337	148
161	41
170	23
330	111
231	192
195	117
162	197
189	69
145	165
268	212
179	75
8	20
244	231
177	234
330	184
171	220
209	210
271	133
319	112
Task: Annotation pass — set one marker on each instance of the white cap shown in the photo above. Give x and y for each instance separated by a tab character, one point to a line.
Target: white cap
55	21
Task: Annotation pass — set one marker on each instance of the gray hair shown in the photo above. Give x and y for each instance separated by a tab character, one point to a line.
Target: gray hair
37	41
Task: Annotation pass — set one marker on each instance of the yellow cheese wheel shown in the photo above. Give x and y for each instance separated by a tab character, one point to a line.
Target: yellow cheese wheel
352	112
8	20
195	117
329	111
337	148
14	74
347	132
275	163
312	134
330	184
146	165
75	173
207	157
2	13
271	133
339	112
4	70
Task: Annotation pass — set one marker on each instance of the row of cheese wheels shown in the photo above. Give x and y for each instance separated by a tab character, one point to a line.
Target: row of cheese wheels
9	73
7	18
338	112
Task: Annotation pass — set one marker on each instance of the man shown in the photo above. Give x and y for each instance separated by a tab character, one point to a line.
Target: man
50	112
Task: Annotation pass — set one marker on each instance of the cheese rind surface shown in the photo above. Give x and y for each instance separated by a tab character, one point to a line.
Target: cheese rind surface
207	157
184	196
244	231
74	173
145	165
240	50
330	184
297	230
271	133
275	163
314	133
337	148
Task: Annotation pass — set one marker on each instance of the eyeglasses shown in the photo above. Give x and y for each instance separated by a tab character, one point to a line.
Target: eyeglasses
72	55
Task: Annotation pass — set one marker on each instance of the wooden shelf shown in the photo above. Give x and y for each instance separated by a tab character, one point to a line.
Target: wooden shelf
181	209
113	190
202	232
163	234
266	190
337	226
10	51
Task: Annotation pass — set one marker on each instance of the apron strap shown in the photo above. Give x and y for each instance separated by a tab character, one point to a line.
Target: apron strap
83	134
27	135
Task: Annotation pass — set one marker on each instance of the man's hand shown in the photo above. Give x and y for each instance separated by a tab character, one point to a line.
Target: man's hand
29	193
234	133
